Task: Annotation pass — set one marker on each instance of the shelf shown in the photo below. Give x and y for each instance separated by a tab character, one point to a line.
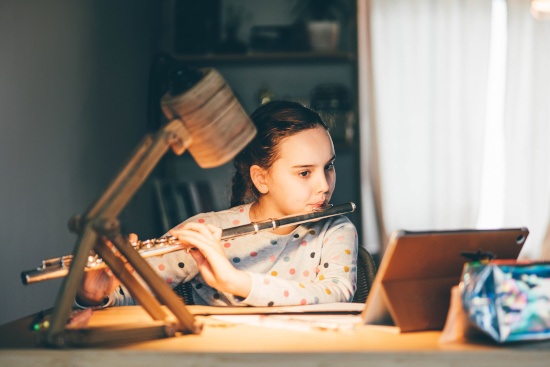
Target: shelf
266	57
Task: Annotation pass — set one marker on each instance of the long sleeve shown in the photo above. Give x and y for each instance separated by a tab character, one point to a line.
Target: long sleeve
315	263
174	268
316	268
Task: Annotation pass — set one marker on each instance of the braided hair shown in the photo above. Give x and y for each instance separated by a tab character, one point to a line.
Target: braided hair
274	121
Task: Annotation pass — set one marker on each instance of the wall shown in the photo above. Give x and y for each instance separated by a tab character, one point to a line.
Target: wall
73	96
73	91
291	78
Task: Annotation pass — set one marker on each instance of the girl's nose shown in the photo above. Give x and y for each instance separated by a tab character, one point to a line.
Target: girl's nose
322	183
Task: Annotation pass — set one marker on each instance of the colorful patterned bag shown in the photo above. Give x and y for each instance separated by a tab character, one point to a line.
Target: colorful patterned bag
508	300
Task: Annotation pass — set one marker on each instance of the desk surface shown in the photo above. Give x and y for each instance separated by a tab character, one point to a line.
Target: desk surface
229	344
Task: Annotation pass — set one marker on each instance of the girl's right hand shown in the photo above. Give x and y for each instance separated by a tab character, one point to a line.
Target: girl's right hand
215	268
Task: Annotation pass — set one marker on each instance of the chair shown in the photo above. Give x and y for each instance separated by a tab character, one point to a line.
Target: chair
185	291
178	200
366	271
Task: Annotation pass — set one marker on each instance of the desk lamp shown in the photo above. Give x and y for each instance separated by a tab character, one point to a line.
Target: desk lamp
205	118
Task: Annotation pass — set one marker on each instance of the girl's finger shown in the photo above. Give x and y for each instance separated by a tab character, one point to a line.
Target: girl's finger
197	227
216	231
197	239
199	257
132	237
206	269
209	248
188	237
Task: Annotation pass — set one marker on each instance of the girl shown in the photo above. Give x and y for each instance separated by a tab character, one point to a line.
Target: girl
288	169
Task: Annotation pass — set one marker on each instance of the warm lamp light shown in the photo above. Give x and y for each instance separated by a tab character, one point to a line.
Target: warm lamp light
540	9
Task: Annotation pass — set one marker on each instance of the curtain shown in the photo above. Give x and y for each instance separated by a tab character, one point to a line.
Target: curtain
527	127
423	108
447	140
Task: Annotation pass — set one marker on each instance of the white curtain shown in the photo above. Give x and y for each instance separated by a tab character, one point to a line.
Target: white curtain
429	78
458	144
527	126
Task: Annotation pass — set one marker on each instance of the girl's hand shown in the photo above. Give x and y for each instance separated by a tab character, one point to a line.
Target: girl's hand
99	284
205	242
96	287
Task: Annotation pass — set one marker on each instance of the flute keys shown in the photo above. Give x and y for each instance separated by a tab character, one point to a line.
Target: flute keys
94	261
172	240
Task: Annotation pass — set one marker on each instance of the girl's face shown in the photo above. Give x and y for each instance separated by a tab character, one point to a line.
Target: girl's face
303	177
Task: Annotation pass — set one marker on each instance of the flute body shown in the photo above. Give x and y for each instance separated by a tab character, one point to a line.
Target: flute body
59	267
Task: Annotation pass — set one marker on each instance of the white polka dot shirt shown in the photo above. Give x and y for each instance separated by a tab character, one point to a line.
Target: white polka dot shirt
315	263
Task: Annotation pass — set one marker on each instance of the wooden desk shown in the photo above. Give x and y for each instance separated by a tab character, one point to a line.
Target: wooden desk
223	343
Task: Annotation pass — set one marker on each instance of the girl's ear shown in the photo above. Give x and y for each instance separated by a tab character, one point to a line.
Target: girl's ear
259	178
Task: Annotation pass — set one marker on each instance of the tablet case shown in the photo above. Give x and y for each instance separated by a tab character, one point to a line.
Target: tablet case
413	284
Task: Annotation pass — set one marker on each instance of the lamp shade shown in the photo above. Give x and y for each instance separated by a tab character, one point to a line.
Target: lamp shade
218	125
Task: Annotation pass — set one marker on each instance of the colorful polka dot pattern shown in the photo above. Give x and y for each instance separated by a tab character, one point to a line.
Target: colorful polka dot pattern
308	266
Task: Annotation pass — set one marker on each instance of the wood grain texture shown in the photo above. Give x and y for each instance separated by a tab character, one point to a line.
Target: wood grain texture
227	344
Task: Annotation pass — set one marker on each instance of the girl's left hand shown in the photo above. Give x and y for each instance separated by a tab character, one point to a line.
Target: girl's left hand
217	271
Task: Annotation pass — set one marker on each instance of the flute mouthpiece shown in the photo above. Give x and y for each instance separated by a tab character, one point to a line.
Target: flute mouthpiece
323	208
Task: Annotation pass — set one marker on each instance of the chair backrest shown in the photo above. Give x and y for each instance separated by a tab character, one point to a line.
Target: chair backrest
366	271
179	200
185	291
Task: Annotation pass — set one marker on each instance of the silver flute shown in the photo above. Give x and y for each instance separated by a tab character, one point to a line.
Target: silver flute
59	267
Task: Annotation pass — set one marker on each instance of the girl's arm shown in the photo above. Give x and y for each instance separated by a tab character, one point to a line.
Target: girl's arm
206	257
215	268
333	279
174	268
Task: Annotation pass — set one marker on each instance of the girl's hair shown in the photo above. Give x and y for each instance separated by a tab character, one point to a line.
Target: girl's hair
274	121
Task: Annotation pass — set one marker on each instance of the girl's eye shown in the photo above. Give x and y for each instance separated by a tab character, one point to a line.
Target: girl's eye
329	167
304	173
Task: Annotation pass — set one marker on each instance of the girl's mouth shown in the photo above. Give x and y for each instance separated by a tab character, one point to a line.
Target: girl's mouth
320	207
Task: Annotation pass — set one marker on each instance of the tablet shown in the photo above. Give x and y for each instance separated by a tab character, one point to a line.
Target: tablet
412	287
